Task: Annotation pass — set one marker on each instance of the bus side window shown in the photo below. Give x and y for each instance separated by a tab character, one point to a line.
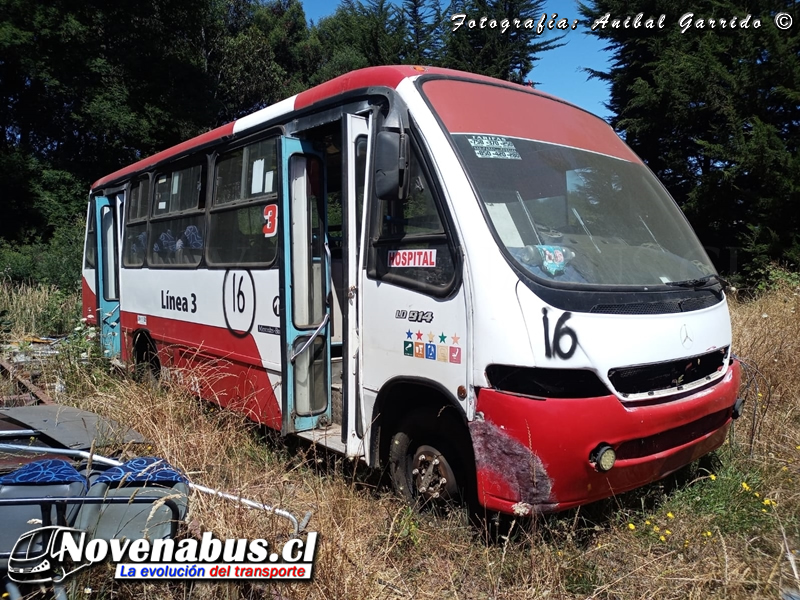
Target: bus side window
175	237
134	246
90	251
246	181
410	246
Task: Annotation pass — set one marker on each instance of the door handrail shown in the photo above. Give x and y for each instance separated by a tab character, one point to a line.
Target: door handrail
314	336
110	313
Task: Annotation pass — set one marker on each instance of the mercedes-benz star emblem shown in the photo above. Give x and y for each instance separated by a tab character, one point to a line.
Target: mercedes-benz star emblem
686	339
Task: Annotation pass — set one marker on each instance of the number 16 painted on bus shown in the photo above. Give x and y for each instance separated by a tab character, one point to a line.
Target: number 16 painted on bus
472	283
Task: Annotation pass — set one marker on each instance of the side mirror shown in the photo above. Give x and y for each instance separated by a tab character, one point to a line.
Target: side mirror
391	165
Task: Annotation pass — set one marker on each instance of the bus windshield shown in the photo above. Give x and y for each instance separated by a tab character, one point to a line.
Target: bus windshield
594	216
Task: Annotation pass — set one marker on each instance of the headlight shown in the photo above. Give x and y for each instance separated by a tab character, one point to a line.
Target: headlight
603	458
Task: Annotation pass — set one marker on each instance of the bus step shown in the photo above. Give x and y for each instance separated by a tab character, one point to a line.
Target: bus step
330	437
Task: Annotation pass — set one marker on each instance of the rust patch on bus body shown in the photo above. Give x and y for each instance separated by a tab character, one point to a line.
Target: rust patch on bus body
510	463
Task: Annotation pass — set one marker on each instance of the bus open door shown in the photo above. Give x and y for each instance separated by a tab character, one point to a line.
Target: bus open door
305	290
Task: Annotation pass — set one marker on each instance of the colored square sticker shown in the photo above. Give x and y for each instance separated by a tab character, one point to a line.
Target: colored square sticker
455	355
441	354
419	350
408	348
430	351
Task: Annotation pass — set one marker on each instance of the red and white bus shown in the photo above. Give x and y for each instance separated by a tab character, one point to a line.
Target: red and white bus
472	282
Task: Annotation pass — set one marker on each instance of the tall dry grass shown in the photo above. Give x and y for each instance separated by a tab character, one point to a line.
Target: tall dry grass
720	529
42	310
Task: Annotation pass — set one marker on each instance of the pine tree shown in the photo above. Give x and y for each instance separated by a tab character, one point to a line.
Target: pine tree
716	114
420	25
509	54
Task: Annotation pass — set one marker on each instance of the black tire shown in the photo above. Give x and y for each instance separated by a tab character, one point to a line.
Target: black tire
430	458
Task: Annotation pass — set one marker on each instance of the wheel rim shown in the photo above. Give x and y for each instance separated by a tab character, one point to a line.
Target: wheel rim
432	475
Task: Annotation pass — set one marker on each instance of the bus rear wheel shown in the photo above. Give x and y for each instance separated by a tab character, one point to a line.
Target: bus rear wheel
426	459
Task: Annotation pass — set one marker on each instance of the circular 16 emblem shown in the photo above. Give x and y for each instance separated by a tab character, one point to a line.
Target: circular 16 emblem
239	301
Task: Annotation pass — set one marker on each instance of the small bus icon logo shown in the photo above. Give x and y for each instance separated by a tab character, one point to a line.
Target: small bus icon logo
37	558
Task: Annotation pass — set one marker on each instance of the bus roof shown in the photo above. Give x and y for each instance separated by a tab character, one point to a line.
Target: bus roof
385	76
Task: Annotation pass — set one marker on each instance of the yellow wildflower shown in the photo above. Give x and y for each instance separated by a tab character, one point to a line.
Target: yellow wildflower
631	526
712	477
667	532
656	528
745	487
707	534
662	538
647	522
670	515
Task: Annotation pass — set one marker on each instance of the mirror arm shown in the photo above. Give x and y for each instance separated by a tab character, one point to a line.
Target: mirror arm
402	159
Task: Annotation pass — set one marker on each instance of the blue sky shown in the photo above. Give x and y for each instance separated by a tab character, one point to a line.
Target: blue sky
558	72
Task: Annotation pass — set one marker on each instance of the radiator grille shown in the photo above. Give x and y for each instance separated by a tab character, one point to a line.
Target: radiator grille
672	374
673	438
658	308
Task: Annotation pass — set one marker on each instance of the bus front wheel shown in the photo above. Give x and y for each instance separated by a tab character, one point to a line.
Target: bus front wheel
426	460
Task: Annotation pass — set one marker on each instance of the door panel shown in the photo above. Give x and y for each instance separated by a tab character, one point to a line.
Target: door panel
358	145
305	280
107	276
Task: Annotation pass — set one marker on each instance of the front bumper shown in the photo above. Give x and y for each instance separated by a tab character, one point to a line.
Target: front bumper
533	455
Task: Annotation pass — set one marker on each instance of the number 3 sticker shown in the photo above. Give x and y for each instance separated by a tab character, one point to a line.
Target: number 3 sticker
270	220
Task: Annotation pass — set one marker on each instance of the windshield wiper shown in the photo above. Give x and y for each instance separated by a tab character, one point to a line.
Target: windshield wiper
700	282
651	234
530	218
586	229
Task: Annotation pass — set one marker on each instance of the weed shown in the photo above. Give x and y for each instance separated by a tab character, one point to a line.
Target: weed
714	529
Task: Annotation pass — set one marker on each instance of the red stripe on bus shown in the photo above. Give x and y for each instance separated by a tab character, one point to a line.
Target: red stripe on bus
370	77
385	76
89	301
227	369
466	109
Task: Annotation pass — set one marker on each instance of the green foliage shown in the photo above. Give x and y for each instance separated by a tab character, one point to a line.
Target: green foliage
40	309
508	55
420	43
405	528
55	262
360	35
18	263
92	86
715	113
732	499
60	311
773	276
